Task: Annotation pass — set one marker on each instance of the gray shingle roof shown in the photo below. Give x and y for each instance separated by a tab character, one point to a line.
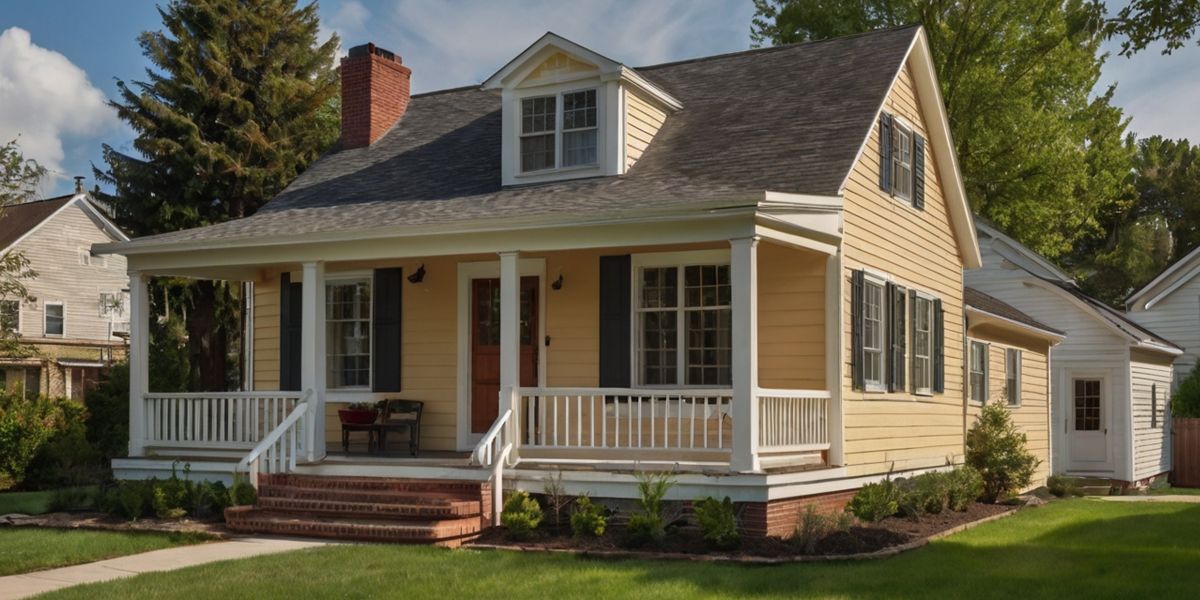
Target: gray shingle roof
995	306
787	119
18	219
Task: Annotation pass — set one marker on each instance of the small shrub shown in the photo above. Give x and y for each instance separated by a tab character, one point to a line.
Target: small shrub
815	526
521	515
1063	486
172	497
996	448
589	519
132	498
219	498
964	486
927	493
242	493
875	502
72	498
718	522
647	526
26	426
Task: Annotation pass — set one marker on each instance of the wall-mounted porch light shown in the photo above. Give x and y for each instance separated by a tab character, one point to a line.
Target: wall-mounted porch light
418	276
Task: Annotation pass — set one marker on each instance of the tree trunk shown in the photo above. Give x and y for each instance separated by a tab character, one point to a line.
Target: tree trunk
208	340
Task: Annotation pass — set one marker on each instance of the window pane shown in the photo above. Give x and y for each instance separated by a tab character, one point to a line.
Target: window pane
660	287
873	333
537	152
54	319
348	334
579	148
709	346
579	110
659	347
537	114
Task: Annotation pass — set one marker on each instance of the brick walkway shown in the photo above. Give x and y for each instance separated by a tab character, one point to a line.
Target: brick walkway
39	582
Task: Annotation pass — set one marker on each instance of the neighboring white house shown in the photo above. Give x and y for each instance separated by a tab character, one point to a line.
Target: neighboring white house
1111	377
79	321
1170	304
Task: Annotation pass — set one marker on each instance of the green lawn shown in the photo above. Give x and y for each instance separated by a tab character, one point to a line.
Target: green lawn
1075	548
29	503
24	549
1174	491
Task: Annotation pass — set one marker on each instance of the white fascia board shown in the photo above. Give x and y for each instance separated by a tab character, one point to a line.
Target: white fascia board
1179	264
85	201
80	200
986	317
634	79
1024	252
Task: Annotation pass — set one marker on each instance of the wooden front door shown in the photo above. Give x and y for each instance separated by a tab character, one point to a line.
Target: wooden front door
485	347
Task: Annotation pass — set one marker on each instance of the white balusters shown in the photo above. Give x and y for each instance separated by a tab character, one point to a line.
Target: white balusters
226	420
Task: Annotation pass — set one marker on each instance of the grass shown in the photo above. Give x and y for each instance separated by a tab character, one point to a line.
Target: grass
25	549
1174	491
1074	548
30	503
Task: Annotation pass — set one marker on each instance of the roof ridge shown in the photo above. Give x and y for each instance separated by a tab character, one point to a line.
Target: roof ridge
41	200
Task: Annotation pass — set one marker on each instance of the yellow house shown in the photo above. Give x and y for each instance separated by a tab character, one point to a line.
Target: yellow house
746	269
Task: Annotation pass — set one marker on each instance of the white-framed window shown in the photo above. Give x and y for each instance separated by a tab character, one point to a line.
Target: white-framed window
55	319
112	304
88	259
978	380
902	159
683	324
348	333
874	332
559	130
10	316
1012	376
922	344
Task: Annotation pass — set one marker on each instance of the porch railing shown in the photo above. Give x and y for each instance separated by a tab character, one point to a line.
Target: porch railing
219	420
625	418
278	449
492	452
793	420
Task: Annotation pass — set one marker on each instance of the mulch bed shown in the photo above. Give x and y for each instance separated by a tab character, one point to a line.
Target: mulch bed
107	522
886	538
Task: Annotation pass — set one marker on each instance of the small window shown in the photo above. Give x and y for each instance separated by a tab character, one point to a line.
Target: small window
1087	404
902	157
579	128
1154	406
10	316
978	379
1012	376
55	320
873	333
348	333
922	345
538	118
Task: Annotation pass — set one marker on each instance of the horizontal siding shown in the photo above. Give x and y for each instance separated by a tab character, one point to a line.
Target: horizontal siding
53	252
1151	454
642	121
920	251
1177	318
266	331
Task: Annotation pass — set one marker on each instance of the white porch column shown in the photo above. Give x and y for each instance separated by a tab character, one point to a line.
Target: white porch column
510	334
834	351
744	279
139	357
312	356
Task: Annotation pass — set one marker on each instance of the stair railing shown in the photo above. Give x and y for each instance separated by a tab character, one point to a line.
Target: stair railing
493	451
277	451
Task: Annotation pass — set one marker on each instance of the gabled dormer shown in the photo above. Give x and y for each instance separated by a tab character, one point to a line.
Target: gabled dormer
570	113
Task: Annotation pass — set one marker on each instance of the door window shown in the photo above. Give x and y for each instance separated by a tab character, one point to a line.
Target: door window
1087	405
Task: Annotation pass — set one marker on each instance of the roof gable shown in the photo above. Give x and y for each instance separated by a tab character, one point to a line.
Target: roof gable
19	221
1164	284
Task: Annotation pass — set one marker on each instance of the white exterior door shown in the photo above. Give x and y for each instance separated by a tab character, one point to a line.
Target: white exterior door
1087	400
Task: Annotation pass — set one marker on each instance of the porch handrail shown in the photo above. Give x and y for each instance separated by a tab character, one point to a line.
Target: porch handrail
493	451
280	453
613	391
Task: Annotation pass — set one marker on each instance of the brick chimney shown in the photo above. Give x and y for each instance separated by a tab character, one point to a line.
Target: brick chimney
374	94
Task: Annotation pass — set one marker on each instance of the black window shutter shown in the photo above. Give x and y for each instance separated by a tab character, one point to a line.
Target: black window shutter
896	338
885	152
291	296
385	316
912	318
615	321
939	348
856	330
918	172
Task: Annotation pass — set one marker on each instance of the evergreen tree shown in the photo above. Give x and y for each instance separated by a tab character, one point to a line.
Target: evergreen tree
235	106
1041	157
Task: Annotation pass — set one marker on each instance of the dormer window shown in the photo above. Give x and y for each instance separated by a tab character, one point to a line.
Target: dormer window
540	117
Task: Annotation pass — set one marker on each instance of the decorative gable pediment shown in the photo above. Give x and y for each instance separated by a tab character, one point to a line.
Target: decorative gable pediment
569	112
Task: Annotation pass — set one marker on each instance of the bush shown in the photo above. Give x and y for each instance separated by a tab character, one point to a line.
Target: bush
718	522
1063	486
129	499
964	485
647	526
242	493
997	450
67	459
875	502
71	498
814	526
927	493
589	519
521	515
26	426
1186	401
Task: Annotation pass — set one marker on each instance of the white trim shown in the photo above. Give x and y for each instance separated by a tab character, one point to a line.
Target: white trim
835	353
82	201
1098	316
1024	252
139	357
1182	281
876	279
929	299
1167	273
1018	375
1053	337
529	267
46	318
987	357
743	279
1107	408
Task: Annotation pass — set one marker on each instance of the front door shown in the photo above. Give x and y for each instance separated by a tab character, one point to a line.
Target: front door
485	347
1087	429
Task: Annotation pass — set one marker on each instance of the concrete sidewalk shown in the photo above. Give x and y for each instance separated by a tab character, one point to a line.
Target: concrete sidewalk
38	582
1162	498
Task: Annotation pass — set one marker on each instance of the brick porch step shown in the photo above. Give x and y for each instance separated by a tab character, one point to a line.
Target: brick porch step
443	487
378	506
444	532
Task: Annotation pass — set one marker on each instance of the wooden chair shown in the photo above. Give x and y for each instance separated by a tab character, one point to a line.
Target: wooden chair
399	416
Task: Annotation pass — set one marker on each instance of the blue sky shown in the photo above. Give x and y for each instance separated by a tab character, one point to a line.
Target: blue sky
59	59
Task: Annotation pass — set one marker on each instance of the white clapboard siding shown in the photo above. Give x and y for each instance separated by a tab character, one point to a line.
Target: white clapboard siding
1152	455
53	251
1177	318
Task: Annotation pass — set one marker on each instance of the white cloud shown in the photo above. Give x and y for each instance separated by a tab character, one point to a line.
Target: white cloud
1159	92
349	22
451	44
44	97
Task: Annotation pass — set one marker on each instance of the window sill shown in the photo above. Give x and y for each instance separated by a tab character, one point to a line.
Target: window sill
556	171
923	393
